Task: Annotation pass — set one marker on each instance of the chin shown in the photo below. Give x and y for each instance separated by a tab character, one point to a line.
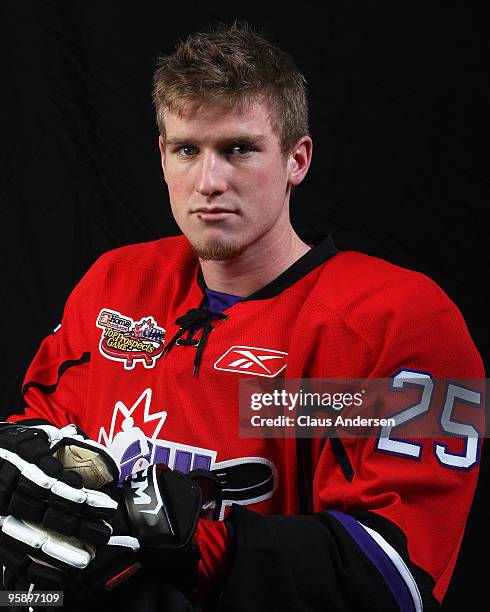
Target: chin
217	251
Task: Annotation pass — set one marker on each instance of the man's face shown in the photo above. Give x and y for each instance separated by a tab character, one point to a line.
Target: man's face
227	178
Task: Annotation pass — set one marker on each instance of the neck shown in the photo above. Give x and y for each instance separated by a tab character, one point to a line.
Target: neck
260	264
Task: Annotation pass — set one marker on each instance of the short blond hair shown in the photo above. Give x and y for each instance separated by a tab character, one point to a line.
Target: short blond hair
233	65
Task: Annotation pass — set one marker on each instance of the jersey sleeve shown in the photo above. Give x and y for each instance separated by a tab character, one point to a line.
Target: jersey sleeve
56	382
405	501
384	529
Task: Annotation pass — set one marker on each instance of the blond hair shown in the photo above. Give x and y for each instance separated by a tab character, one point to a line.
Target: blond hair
235	66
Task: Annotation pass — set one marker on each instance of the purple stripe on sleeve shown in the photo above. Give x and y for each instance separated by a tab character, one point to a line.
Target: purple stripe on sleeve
379	558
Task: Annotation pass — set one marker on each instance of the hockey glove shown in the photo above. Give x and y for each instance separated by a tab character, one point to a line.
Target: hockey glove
158	512
161	508
49	476
32	554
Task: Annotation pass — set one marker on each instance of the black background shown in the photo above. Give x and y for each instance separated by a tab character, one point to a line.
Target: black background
399	116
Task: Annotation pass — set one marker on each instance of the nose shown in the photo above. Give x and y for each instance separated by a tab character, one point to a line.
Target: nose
210	179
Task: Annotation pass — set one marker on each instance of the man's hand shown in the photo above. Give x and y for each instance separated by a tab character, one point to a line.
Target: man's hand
36	486
32	554
57	529
161	508
154	526
60	534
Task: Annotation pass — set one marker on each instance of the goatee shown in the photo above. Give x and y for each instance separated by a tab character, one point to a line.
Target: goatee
217	251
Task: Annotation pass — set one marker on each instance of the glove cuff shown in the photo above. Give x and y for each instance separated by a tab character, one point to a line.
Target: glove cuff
178	568
163	507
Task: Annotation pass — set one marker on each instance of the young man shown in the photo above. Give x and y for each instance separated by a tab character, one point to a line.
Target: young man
156	337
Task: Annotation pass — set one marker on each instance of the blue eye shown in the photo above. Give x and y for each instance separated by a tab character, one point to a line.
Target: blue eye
186	151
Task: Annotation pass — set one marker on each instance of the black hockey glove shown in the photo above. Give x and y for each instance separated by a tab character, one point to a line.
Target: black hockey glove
161	507
53	477
32	554
55	521
153	526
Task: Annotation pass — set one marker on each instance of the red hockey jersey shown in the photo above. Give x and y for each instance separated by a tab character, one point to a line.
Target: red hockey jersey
331	315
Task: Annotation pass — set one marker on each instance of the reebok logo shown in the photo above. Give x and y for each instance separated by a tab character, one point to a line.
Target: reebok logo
252	360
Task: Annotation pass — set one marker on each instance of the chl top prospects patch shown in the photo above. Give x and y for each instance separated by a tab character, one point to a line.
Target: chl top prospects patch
130	341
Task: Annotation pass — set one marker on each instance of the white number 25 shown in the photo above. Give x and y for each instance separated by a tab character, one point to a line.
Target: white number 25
413	449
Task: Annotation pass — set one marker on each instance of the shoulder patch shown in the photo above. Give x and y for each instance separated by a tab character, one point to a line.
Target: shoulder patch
128	341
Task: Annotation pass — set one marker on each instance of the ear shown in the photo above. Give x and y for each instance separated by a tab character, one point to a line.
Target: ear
299	160
161	146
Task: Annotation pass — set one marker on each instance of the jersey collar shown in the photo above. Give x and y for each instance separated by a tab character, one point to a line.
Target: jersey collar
319	254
